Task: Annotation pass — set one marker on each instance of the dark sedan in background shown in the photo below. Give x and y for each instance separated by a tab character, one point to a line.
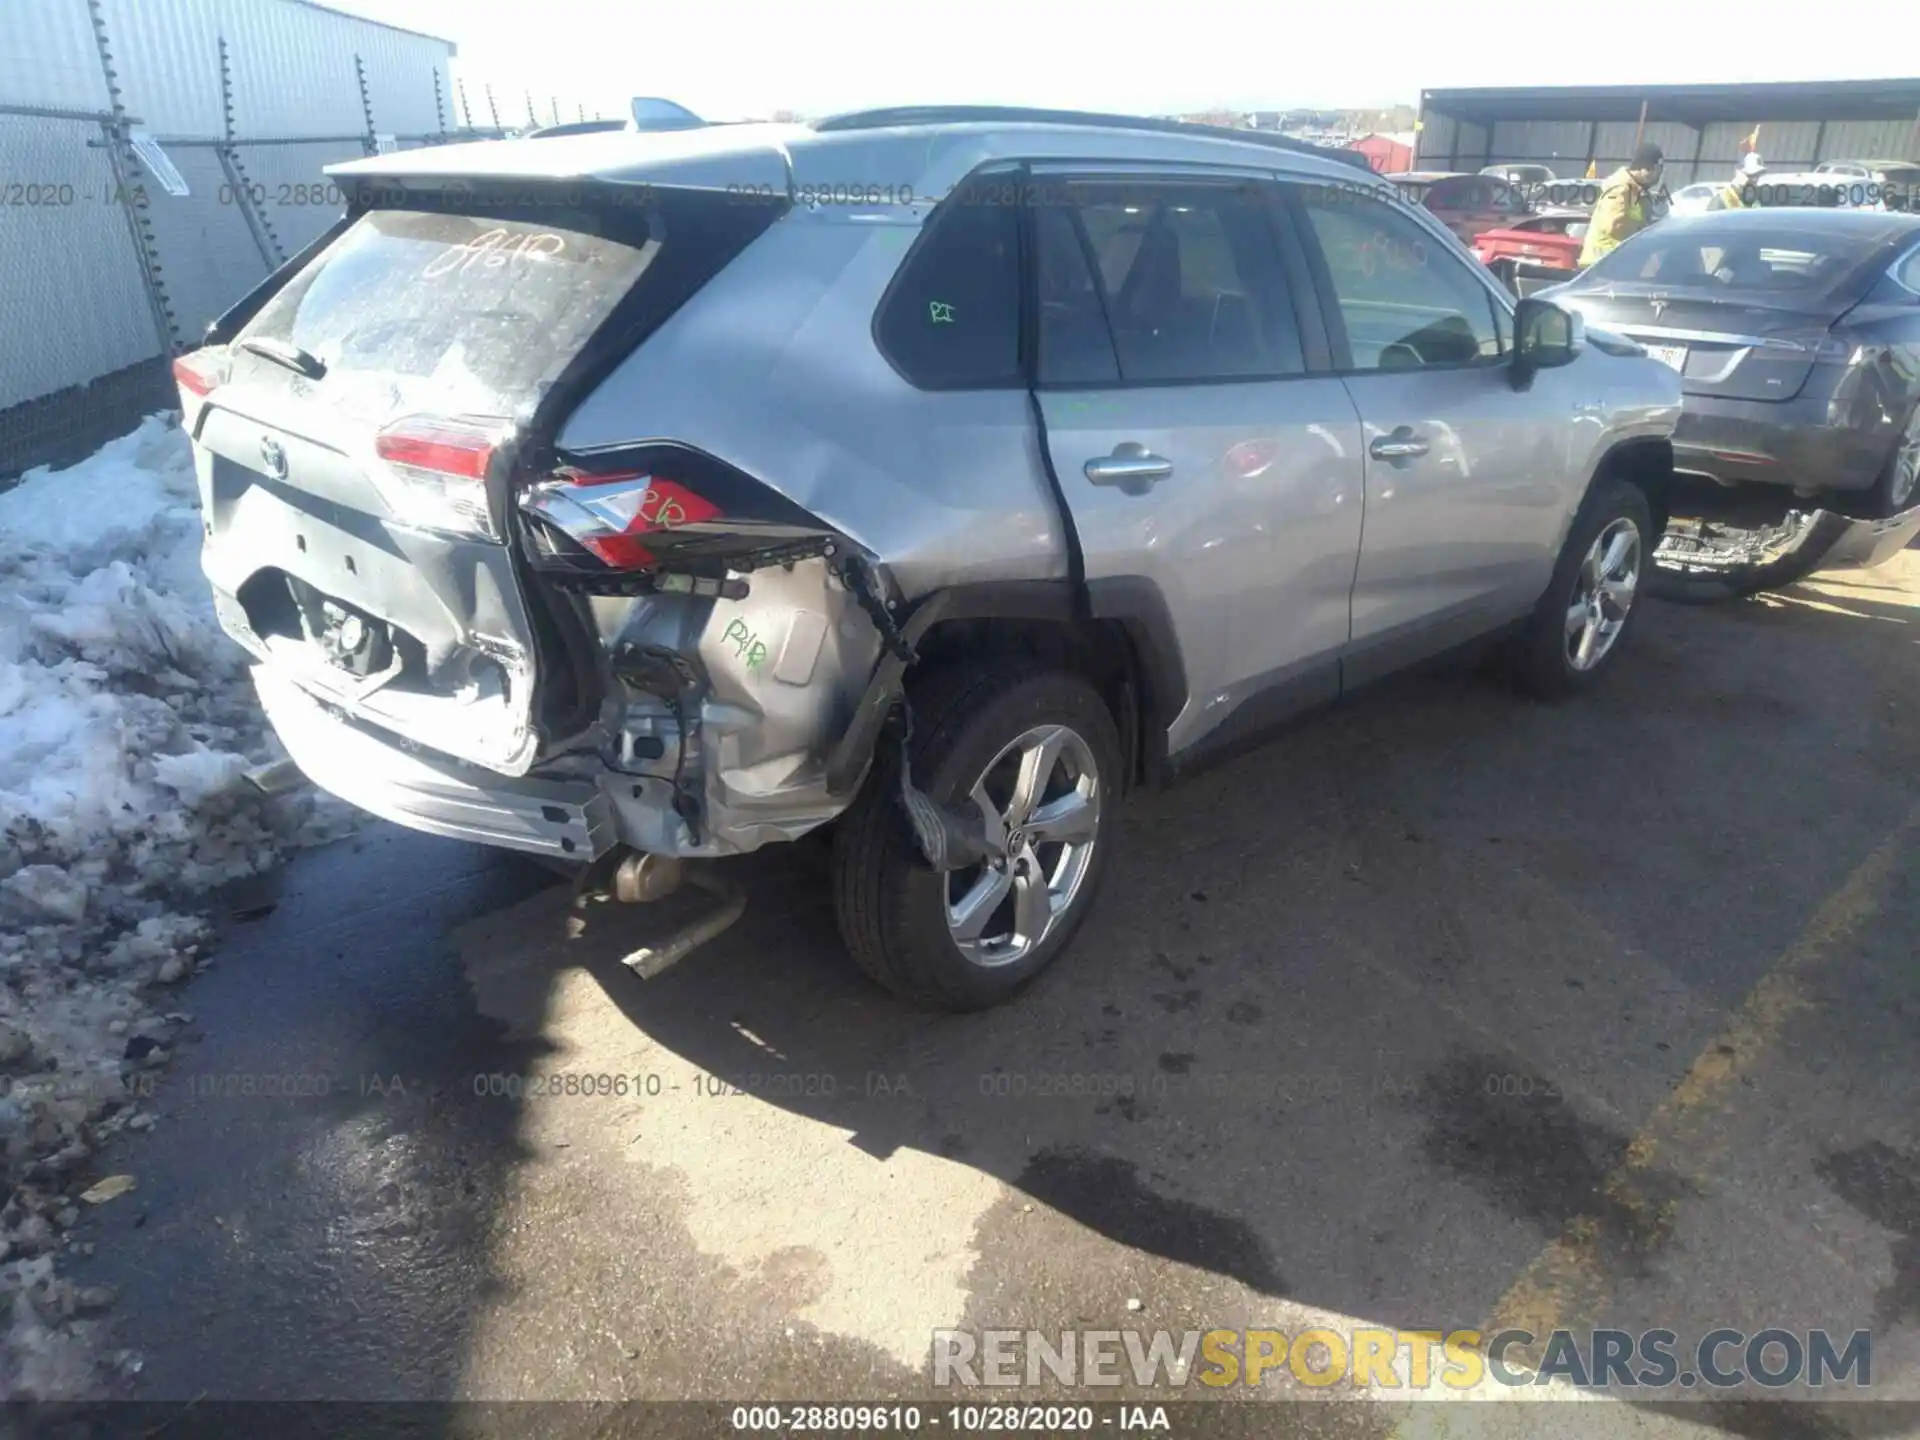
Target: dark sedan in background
1468	205
1797	337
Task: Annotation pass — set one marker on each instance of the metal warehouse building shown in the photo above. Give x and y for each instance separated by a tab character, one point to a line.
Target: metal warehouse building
1700	128
159	158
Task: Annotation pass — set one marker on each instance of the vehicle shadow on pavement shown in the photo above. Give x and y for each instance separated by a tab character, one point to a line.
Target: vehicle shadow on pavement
1363	1021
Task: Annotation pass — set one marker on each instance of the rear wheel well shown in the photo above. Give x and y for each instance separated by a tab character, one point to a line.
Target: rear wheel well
1098	650
1648	464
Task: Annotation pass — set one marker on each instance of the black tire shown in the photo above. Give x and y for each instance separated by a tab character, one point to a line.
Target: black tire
1541	661
1887	499
891	905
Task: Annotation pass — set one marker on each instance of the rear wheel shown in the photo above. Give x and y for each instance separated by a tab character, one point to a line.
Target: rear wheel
1899	485
1036	753
1577	629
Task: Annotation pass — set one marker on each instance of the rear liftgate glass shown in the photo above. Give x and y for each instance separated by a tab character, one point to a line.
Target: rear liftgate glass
395	390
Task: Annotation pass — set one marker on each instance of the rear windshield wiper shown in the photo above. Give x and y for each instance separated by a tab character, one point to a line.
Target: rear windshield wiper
301	362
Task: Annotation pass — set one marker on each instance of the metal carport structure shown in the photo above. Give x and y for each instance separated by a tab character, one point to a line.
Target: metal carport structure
1701	128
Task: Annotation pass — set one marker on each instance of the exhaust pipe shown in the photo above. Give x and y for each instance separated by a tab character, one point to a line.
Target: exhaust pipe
648	961
276	777
638	878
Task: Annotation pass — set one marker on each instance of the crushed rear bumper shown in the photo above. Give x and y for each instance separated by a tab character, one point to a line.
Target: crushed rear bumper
1743	560
567	819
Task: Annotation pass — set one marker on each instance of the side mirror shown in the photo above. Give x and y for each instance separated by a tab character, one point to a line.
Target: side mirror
1544	335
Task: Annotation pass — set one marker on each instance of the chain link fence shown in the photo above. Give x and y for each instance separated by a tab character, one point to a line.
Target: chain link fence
107	274
119	246
77	330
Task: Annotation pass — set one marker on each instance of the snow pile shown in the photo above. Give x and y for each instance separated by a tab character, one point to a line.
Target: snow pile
127	723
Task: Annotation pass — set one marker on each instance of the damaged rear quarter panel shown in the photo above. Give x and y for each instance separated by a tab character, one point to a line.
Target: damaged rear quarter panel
780	671
772	369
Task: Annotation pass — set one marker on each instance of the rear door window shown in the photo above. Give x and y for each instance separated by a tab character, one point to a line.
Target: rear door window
1449	195
1189	278
1907	273
1076	347
1508	200
452	313
1712	258
951	319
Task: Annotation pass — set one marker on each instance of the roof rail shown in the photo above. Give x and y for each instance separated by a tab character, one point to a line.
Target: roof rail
574	127
1020	114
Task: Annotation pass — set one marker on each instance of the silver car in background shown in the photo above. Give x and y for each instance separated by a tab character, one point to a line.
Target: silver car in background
639	500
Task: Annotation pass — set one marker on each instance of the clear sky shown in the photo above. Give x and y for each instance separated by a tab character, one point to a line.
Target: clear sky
732	58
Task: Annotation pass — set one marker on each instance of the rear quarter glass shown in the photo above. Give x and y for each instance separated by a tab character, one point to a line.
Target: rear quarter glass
455	314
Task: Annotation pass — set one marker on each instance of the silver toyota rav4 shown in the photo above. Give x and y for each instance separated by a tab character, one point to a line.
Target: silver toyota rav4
638	500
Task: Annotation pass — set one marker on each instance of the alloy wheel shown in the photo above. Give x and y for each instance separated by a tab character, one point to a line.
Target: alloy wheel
1603	593
1040	798
1906	468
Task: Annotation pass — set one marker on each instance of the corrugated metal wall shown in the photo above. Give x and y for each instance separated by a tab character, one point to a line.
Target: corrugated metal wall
48	57
72	304
293	67
298	200
72	279
1708	154
208	256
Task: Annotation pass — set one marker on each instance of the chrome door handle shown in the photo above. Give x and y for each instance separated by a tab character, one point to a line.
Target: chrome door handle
1401	445
1131	466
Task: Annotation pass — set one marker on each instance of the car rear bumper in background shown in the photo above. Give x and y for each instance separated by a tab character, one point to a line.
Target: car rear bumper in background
568	819
1743	559
1792	442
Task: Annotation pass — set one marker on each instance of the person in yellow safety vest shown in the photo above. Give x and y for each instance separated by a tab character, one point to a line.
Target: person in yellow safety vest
1738	195
1624	204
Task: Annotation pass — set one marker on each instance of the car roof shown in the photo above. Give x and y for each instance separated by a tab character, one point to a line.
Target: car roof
892	149
934	116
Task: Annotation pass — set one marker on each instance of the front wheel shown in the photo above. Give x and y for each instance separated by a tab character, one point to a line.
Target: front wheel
1036	753
1577	629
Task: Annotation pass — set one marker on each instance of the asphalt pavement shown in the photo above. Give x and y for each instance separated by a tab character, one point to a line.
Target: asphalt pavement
1445	1010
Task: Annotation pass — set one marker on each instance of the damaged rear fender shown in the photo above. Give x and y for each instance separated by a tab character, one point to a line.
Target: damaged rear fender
748	653
1120	635
727	637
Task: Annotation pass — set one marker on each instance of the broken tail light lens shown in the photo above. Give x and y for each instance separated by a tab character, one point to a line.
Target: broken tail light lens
434	470
198	375
610	516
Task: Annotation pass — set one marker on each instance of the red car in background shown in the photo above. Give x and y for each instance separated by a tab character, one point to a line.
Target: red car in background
1534	250
1468	205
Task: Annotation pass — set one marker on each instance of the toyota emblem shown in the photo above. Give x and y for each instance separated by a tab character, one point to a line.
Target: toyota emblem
274	456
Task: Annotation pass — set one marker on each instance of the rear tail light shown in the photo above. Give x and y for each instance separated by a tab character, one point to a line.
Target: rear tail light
434	471
609	516
198	375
